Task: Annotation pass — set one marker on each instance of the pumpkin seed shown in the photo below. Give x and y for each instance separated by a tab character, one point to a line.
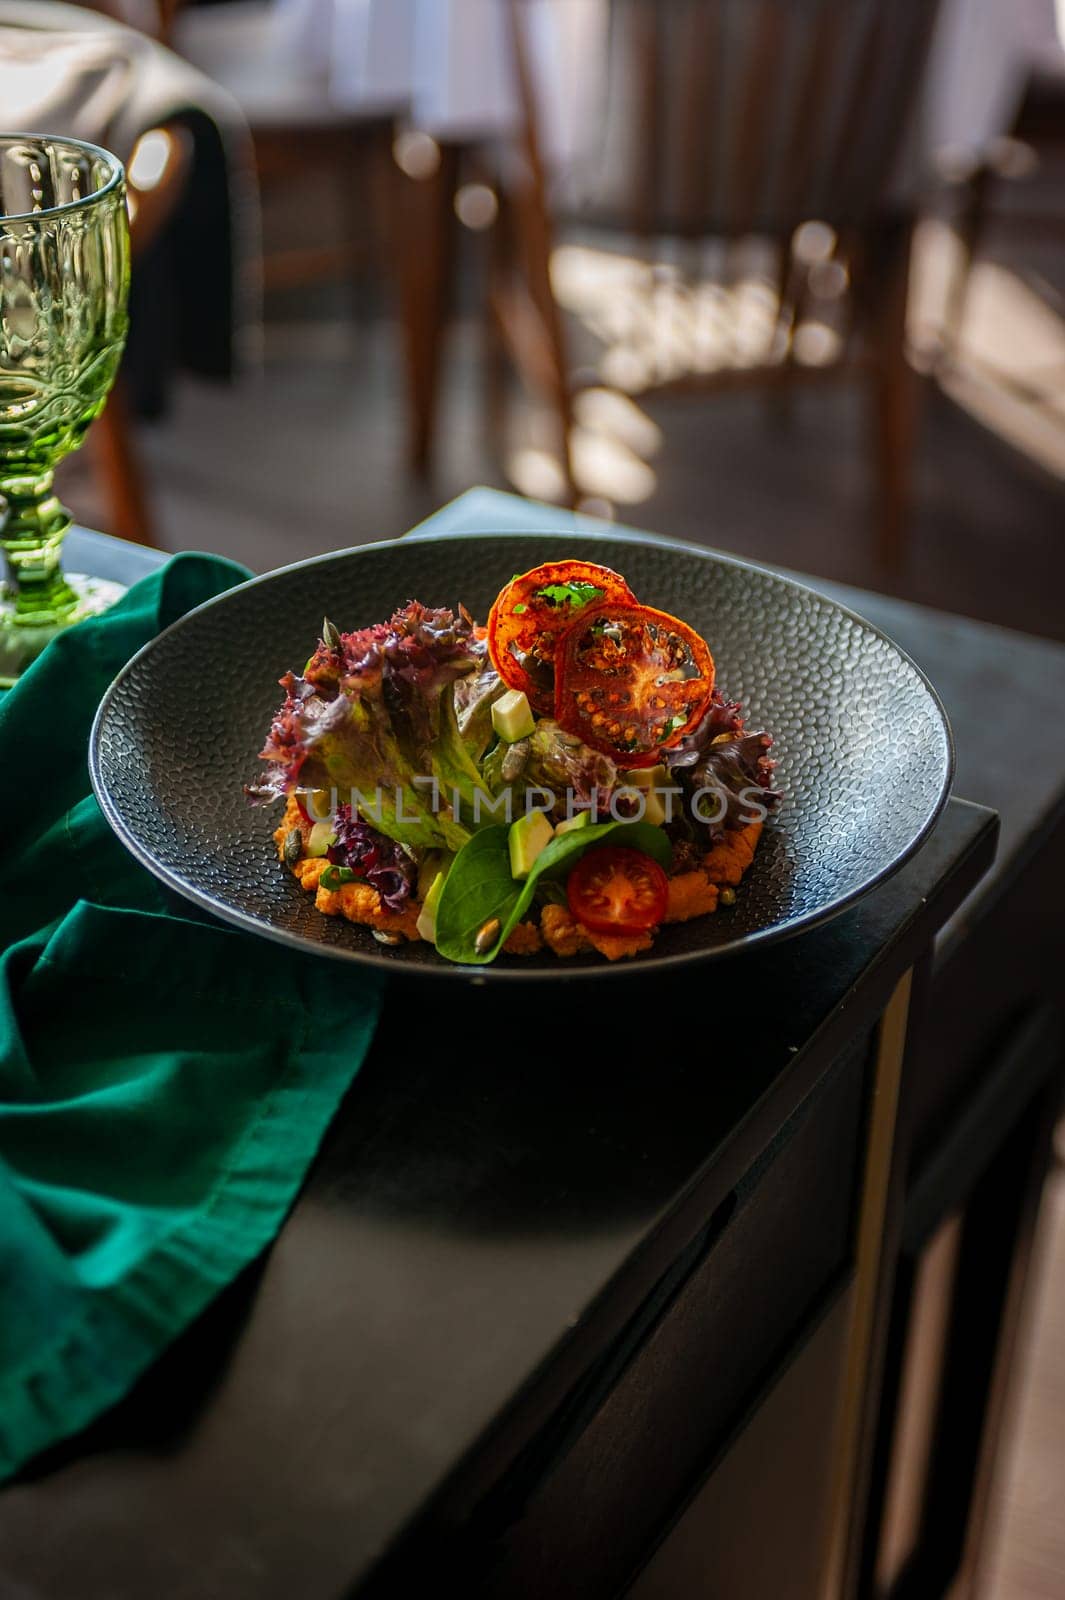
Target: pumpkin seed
514	761
487	936
293	847
384	936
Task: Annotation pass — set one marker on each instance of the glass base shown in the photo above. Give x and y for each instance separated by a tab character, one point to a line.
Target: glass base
21	644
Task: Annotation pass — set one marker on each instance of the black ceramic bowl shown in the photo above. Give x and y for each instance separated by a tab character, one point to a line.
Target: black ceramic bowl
862	744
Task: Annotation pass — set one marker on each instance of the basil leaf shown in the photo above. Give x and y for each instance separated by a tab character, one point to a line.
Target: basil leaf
479	885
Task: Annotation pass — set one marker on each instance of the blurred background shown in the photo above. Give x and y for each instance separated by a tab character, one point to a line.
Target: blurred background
697	310
784	278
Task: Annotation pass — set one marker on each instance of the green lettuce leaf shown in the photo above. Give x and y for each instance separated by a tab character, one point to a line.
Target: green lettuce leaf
366	719
453	766
475	695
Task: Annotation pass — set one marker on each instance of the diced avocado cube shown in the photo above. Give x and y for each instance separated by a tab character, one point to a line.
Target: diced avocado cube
528	837
646	778
649	780
321	836
580	819
426	923
317	805
432	863
512	716
654	811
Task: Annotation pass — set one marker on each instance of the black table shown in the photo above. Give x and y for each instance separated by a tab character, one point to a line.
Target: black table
595	1322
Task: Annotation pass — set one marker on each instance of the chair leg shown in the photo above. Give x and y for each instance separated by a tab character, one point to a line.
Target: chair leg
116	458
424	242
780	402
969	227
534	239
895	395
358	202
493	352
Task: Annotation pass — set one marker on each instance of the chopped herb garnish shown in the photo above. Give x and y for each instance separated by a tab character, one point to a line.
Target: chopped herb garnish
569	594
333	877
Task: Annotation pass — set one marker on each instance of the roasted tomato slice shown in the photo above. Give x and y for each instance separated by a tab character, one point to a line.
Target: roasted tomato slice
617	890
631	681
533	610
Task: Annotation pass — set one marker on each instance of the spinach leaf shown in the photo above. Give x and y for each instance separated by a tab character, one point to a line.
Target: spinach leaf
479	885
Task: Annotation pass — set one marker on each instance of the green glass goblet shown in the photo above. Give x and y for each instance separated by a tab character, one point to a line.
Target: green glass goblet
64	283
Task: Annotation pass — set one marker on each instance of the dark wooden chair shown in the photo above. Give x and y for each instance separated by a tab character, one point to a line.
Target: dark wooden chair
297	130
154	188
152	200
729	127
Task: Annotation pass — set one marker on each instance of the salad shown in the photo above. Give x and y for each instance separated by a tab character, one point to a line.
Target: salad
569	777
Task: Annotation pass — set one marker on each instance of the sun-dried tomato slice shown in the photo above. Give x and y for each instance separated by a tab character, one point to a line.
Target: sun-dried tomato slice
631	681
533	610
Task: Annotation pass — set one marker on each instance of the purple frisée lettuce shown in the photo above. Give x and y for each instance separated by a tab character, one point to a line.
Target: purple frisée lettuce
369	715
382	863
721	756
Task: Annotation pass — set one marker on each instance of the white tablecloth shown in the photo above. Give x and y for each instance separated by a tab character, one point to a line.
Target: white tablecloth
446	62
980	58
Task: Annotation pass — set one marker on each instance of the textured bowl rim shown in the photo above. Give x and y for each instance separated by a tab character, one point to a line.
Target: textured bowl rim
646	962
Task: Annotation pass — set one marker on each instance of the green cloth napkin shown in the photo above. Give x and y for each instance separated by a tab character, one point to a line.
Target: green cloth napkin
164	1081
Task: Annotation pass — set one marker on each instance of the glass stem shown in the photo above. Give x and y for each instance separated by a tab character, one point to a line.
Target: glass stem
32	538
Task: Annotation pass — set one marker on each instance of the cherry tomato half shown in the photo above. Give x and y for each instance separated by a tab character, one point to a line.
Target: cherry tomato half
532	611
631	681
617	890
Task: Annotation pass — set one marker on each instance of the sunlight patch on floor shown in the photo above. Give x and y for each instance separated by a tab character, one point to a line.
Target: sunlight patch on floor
656	323
1006	364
